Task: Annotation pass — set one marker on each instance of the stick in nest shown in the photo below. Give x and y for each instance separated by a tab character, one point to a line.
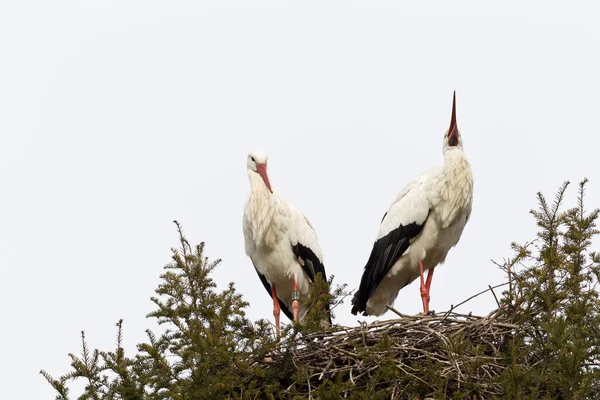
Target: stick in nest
447	340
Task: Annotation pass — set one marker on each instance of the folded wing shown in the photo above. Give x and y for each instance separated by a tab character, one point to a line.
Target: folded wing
402	223
305	245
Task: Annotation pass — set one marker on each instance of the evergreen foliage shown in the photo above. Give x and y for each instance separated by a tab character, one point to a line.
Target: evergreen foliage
543	341
204	352
553	297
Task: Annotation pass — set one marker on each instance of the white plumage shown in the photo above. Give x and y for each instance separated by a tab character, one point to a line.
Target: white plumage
279	240
423	223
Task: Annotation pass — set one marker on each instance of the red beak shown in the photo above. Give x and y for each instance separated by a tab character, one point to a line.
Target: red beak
453	130
262	171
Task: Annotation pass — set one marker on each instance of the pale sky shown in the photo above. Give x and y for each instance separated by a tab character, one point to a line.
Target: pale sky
118	117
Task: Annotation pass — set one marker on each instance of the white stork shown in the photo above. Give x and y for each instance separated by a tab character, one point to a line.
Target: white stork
423	223
281	243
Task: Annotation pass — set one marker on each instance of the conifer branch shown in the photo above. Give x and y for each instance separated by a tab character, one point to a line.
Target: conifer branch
543	340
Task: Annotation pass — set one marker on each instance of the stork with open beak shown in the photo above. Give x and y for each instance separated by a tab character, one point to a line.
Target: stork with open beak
281	243
423	223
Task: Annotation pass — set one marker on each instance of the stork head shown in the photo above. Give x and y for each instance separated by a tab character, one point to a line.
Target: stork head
452	138
257	163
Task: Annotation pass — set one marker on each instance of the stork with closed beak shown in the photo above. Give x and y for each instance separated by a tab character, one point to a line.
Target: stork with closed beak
281	243
423	223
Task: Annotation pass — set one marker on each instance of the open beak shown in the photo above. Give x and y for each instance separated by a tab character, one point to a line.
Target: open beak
453	130
262	171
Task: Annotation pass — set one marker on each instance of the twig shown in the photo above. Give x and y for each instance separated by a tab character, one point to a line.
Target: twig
392	309
352	354
494	293
479	294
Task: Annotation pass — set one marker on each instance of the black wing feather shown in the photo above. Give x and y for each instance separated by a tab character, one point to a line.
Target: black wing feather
267	286
311	265
310	262
386	251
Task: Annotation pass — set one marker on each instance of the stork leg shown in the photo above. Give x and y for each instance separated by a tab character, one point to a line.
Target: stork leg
425	287
276	310
295	298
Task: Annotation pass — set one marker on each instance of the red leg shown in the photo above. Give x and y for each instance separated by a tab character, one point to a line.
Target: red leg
295	296
425	288
276	309
428	285
429	277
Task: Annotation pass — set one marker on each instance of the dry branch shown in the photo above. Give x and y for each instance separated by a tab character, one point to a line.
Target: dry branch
465	349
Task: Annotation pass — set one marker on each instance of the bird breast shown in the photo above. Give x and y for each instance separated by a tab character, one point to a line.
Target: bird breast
454	188
264	218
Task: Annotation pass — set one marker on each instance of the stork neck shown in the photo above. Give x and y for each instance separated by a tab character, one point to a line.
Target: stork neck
453	156
455	184
457	169
258	186
265	210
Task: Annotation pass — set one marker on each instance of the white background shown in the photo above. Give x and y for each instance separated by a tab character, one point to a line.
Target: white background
117	117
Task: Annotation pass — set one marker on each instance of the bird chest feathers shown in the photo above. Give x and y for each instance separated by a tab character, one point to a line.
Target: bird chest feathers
455	184
264	219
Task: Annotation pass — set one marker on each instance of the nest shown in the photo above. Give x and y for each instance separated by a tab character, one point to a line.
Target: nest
426	355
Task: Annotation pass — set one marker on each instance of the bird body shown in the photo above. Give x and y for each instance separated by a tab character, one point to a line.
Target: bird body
423	223
280	241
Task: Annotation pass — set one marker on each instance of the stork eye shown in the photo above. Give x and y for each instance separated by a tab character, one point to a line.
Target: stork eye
252	158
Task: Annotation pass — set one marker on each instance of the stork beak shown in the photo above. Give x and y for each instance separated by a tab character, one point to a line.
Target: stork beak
262	171
453	130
